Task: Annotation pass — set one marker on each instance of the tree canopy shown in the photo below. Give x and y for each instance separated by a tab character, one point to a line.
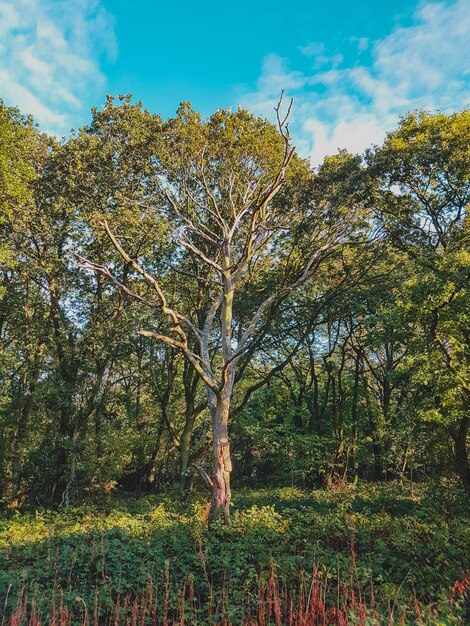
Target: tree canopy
186	299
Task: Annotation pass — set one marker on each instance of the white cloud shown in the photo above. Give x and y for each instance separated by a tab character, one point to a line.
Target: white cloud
314	48
317	52
274	77
420	66
50	54
362	43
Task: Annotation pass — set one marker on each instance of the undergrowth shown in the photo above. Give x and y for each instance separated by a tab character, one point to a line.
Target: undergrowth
373	554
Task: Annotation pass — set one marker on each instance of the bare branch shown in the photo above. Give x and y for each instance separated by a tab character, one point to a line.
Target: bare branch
174	343
205	476
216	213
196	361
166	310
201	229
190	246
308	269
201	368
102	269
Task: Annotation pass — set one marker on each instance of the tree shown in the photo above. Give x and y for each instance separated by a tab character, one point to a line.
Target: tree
23	150
218	185
425	170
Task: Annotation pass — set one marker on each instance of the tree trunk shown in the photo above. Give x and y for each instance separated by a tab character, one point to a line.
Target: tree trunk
185	442
297	417
314	423
222	463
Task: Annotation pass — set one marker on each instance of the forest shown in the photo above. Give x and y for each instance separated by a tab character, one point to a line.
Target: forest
235	388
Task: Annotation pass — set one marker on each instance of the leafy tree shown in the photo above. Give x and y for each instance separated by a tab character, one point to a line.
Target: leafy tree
23	150
425	169
217	185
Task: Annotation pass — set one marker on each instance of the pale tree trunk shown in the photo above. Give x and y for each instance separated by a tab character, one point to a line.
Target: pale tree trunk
219	404
221	462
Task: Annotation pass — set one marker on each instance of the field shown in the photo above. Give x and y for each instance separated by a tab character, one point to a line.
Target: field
368	554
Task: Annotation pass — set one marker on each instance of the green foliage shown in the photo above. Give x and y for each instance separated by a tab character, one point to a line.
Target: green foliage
402	542
360	373
356	377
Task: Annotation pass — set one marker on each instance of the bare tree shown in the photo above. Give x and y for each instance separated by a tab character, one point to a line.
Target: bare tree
218	197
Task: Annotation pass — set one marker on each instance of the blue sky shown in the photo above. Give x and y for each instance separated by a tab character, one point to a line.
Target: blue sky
352	67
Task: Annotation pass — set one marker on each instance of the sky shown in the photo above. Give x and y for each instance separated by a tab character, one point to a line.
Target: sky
352	67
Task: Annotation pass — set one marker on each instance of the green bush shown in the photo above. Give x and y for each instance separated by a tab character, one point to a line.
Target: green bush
379	540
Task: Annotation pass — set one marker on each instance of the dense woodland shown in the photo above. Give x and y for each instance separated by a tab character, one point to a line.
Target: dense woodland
187	303
164	280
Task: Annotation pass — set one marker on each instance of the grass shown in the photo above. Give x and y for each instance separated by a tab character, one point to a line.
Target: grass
371	554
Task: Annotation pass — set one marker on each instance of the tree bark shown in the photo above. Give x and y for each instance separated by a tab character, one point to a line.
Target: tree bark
221	462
